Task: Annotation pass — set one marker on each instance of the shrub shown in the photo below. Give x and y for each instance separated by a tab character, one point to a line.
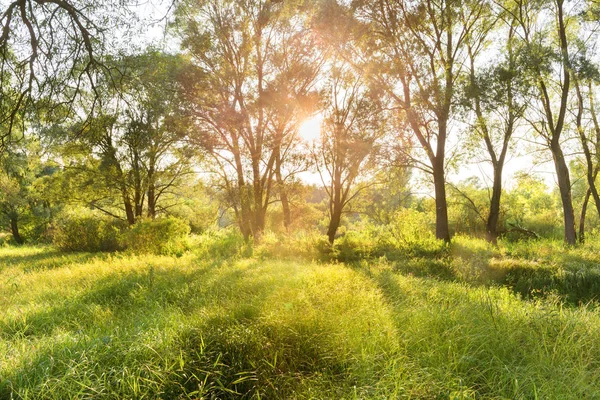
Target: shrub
86	230
409	234
355	245
221	244
167	236
302	245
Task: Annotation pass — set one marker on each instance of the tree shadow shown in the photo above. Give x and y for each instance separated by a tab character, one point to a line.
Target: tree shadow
47	260
226	352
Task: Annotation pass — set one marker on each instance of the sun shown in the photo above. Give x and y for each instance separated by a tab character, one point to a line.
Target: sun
310	129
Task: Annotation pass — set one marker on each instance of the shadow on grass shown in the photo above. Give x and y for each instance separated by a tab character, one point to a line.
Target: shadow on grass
47	259
572	275
208	330
139	302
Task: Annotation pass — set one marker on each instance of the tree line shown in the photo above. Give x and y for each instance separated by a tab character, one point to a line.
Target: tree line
396	84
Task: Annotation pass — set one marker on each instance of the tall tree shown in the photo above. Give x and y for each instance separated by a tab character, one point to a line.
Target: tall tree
355	122
419	49
494	95
545	52
239	50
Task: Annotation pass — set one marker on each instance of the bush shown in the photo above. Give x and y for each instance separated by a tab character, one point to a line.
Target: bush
166	236
85	230
410	234
355	245
221	244
301	245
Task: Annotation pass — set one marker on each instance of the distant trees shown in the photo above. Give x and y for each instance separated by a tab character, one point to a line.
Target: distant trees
135	149
22	199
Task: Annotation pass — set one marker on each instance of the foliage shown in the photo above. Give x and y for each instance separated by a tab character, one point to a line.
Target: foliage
167	236
532	206
85	230
251	85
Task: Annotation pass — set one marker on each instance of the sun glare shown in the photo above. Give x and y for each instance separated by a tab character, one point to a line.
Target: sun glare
310	130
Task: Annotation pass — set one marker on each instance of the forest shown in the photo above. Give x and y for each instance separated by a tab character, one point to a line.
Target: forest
309	199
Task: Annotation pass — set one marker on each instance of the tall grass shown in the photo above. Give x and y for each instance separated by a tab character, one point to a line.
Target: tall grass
219	322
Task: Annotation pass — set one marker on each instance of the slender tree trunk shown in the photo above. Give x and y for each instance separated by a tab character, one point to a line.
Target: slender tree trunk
129	212
582	216
151	201
151	194
285	204
442	230
564	185
258	228
14	228
494	215
129	209
139	206
334	222
138	197
245	213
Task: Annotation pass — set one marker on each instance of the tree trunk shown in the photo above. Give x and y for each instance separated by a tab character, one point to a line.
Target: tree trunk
14	228
334	222
128	210
138	197
564	185
494	215
243	224
258	227
245	214
151	213
442	230
287	213
582	216
285	204
151	192
151	201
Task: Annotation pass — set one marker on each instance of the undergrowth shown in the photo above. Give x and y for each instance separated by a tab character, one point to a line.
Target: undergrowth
235	320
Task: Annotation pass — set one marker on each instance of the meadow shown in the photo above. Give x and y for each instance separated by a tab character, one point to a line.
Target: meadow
286	320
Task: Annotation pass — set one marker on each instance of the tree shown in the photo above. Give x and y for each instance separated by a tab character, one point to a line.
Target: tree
494	96
418	51
136	145
246	91
550	69
355	121
50	52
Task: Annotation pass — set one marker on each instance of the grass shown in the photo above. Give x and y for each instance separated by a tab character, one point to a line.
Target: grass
225	324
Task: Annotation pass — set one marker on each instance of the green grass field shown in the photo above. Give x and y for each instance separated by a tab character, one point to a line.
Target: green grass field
476	323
